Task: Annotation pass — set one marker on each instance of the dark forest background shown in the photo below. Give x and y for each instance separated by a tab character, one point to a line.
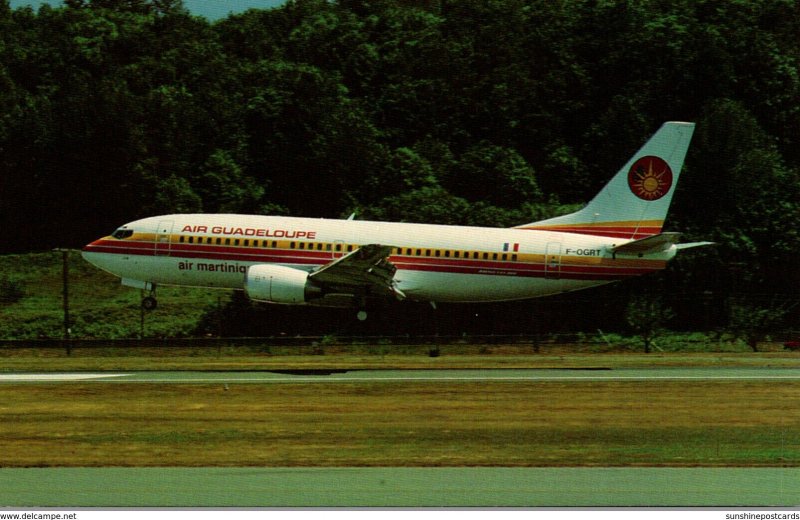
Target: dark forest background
491	113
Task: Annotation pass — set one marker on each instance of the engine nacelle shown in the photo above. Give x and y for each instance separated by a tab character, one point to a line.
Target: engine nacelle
279	284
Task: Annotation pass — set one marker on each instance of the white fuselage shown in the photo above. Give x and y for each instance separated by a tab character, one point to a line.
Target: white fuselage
434	263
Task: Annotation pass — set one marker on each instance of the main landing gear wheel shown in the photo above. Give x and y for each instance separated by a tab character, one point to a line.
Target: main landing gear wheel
149	302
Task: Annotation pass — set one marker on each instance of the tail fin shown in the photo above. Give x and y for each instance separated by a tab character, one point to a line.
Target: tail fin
634	203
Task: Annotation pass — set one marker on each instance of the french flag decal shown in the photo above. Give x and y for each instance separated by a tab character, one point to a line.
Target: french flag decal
513	247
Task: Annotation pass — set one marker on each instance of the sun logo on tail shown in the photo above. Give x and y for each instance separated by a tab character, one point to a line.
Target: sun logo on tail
650	178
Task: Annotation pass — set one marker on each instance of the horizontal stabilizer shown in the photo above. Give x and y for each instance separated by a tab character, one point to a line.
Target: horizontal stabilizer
690	245
653	244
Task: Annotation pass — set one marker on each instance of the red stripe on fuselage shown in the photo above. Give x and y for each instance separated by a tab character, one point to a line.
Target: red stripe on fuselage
602	231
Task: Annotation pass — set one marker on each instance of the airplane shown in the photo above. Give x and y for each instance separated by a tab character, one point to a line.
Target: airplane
346	263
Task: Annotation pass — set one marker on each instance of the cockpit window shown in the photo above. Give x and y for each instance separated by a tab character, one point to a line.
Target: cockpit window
122	233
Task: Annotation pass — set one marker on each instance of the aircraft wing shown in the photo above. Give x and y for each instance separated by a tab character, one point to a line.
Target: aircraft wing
367	270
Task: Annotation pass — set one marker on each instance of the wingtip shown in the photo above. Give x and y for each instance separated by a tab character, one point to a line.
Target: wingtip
680	123
690	245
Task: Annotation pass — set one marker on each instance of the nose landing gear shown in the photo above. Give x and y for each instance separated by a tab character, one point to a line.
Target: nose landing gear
149	302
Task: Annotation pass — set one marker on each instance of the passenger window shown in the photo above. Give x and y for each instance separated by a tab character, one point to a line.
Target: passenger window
338	247
291	245
274	243
456	254
191	240
494	256
219	241
485	256
447	254
427	252
227	241
246	242
319	246
505	256
181	239
513	258
302	245
349	248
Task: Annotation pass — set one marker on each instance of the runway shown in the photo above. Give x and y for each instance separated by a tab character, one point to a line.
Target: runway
399	376
399	487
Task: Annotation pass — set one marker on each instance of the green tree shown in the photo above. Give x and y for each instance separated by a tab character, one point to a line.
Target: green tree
754	322
426	204
223	187
172	194
158	7
497	175
748	195
646	316
307	137
405	171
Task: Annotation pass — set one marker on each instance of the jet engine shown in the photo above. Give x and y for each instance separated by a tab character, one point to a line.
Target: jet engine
279	284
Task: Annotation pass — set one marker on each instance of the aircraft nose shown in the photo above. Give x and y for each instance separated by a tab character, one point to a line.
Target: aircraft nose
91	246
90	250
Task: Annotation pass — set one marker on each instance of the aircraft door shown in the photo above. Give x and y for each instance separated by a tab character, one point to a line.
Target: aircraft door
163	238
338	248
552	261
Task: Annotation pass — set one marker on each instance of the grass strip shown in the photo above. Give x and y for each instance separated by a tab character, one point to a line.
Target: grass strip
642	423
